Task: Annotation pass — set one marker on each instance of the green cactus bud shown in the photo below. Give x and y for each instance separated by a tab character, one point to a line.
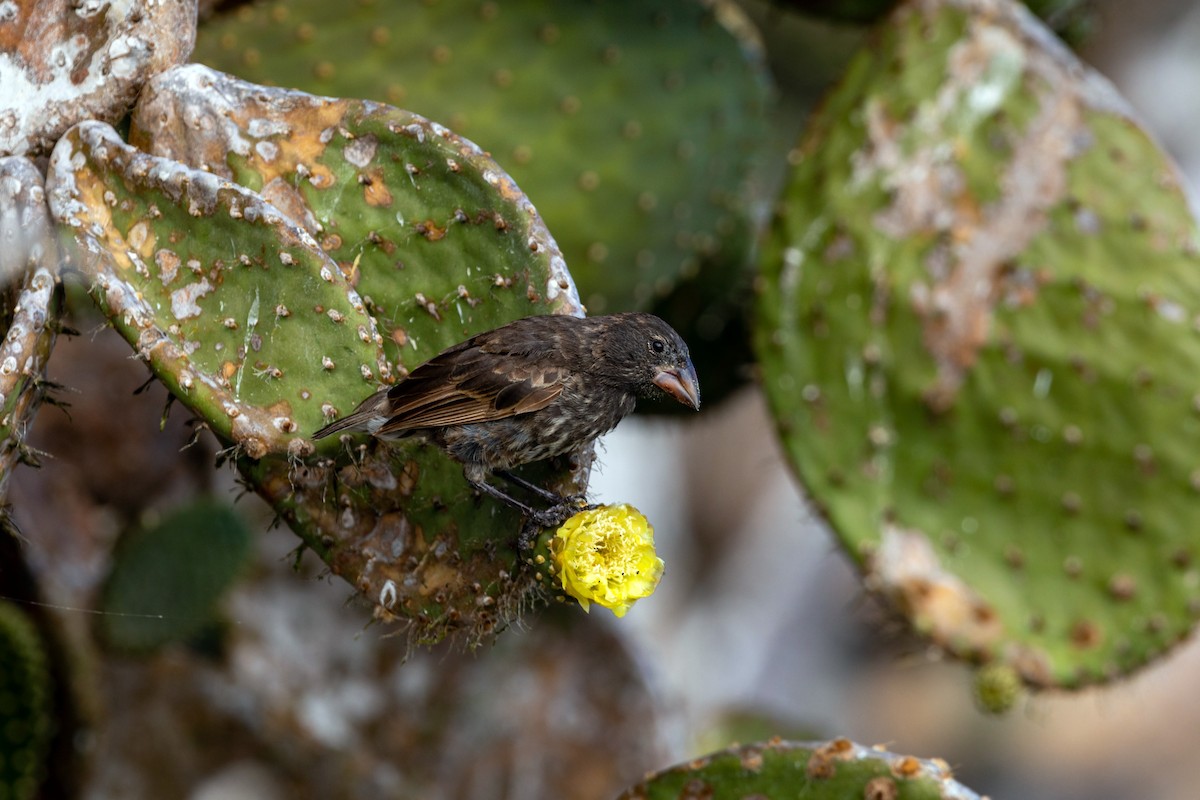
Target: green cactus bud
998	687
26	705
777	769
166	580
633	125
976	328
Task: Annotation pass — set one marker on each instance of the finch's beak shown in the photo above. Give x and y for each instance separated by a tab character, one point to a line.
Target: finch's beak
680	383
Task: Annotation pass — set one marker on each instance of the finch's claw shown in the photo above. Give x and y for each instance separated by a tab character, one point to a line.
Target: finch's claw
554	516
528	536
538	519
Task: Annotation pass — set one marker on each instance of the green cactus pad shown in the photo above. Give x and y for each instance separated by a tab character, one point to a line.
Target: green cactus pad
26	705
779	770
440	244
435	237
166	581
29	260
978	332
235	308
632	125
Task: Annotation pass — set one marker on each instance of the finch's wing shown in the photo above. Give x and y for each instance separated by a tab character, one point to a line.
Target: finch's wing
482	379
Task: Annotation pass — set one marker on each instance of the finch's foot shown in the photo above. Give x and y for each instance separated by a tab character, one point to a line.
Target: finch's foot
555	515
537	520
579	502
528	537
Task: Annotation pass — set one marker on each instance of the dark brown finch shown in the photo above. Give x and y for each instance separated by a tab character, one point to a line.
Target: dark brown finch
529	390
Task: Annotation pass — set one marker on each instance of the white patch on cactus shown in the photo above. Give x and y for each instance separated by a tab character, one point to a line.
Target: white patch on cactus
416	131
184	299
983	69
126	54
388	594
168	262
907	568
267	151
999	78
361	151
1170	310
262	127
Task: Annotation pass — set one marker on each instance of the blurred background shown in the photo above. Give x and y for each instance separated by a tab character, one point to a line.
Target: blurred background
760	627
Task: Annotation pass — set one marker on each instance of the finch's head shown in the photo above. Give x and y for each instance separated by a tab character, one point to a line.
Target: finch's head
652	357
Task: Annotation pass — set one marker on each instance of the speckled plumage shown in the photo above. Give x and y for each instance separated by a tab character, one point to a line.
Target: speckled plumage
529	390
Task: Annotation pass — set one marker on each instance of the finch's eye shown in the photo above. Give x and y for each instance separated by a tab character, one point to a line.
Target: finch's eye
657	346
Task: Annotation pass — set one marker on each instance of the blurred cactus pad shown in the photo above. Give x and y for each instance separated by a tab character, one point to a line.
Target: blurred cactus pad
813	770
634	126
26	705
1070	19
275	257
978	328
166	580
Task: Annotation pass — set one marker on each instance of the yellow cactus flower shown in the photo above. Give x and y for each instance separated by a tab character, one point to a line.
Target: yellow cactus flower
606	556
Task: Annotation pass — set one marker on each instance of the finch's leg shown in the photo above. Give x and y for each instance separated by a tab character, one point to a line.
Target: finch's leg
550	518
503	497
532	488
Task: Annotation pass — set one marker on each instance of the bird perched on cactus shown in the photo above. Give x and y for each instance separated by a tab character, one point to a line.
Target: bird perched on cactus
530	390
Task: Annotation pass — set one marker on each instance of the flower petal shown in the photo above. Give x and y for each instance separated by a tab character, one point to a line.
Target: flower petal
606	556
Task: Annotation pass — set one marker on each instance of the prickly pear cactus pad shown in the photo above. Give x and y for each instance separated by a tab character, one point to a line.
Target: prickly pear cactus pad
372	203
64	60
430	231
234	307
633	125
29	302
778	769
978	331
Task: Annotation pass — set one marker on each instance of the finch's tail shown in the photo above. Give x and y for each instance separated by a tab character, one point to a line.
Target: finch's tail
354	421
366	417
